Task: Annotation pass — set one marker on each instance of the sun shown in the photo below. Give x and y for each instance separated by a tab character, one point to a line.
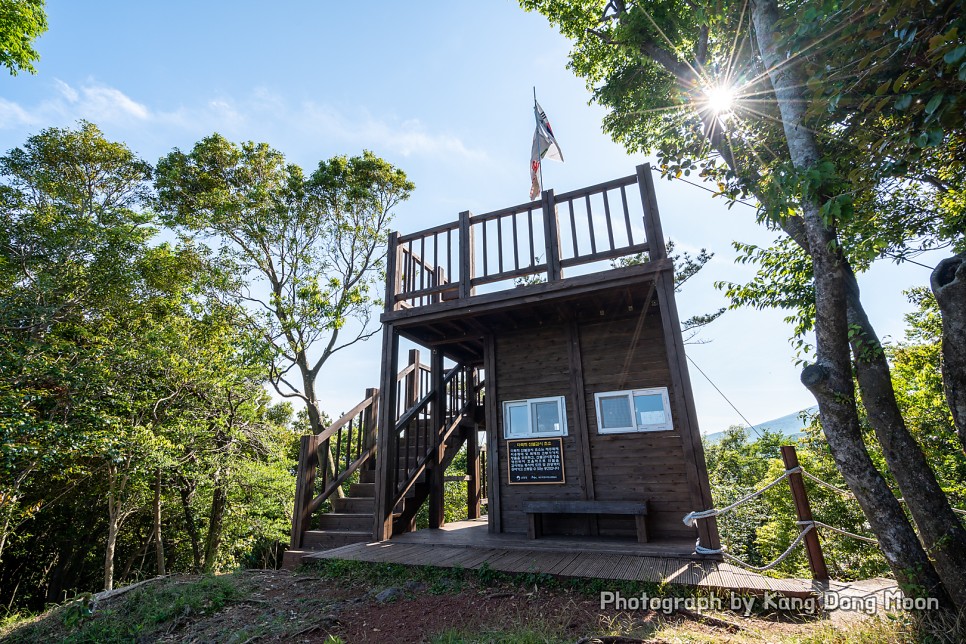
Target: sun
720	99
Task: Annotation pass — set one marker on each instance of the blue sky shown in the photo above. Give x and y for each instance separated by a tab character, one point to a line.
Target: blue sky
441	89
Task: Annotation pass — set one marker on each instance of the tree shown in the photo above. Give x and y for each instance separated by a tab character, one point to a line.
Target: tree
21	21
122	385
663	69
73	245
307	251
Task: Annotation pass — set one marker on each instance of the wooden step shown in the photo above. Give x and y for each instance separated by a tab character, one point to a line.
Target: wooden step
362	490
329	539
345	522
354	505
367	476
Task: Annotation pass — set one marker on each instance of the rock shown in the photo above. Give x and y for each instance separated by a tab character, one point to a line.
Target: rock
389	594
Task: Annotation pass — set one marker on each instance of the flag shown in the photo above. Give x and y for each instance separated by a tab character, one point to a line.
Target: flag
544	145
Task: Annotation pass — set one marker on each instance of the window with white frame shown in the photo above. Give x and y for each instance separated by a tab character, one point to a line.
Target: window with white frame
535	417
637	410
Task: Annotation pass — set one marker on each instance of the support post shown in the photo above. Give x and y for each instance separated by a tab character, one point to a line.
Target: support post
551	233
473	473
304	487
467	252
385	439
438	419
493	478
816	560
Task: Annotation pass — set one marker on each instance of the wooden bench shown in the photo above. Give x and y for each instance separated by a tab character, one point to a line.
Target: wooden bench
535	510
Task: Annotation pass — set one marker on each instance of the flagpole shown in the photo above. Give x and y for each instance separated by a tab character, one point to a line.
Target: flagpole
536	117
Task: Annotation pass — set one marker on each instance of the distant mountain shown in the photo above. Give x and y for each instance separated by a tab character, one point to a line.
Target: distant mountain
790	425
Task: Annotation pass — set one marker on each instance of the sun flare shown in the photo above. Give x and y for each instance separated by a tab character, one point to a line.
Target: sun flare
720	99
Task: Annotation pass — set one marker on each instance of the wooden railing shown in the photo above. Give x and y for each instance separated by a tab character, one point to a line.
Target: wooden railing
424	429
538	238
328	459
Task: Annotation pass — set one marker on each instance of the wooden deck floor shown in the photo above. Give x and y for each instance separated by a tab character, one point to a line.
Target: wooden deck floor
468	544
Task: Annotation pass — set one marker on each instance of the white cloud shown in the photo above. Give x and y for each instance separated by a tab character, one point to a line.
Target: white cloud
408	138
102	103
12	115
69	92
255	116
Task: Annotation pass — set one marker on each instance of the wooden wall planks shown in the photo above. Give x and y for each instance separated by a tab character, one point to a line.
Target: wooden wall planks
537	362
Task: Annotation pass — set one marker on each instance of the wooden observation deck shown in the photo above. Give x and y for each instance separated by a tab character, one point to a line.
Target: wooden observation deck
553	332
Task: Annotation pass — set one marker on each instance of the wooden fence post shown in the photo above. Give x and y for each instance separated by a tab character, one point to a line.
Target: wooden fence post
369	417
412	381
652	221
467	252
551	232
304	487
816	560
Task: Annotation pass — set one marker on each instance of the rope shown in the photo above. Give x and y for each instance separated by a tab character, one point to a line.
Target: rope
827	485
727	400
691	517
781	557
956	510
849	493
839	530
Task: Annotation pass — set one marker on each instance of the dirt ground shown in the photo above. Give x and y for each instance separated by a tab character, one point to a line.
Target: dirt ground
309	606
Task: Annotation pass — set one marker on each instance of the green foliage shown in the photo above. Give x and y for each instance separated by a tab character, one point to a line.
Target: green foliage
759	531
21	21
299	257
116	372
883	94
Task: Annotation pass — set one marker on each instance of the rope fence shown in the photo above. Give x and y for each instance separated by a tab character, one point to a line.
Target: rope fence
806	526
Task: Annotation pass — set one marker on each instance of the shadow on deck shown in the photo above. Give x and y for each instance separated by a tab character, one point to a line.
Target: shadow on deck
468	545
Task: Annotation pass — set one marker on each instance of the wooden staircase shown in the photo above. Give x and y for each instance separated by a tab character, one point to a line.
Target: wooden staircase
343	458
350	520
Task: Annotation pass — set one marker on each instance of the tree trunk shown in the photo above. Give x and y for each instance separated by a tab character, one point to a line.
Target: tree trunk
112	529
219	503
191	527
158	543
940	529
315	421
948	282
830	379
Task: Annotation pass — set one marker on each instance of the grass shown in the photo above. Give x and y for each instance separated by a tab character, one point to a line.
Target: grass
144	611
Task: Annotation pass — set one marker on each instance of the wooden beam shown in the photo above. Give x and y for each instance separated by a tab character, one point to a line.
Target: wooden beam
582	427
687	418
467	252
473	473
308	468
411	386
537	293
392	271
